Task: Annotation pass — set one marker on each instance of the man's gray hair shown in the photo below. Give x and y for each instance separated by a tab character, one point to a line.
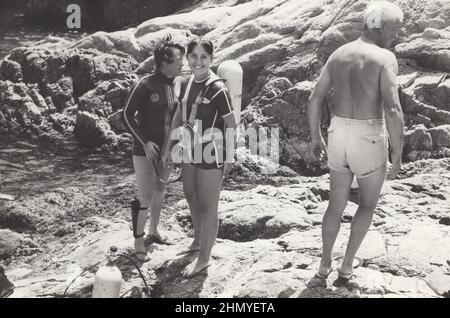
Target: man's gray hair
379	11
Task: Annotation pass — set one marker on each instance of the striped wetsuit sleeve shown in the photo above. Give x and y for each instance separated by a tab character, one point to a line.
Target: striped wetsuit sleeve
222	100
135	102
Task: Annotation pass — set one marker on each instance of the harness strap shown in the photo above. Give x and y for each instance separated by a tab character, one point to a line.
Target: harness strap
200	98
185	100
189	124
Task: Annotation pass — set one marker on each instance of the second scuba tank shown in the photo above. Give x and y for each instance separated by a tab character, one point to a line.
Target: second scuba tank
108	279
231	71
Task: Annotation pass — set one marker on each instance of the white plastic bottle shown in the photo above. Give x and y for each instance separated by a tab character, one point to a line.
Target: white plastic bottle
108	280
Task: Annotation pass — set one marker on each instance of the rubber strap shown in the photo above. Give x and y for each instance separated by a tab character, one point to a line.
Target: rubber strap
200	98
185	100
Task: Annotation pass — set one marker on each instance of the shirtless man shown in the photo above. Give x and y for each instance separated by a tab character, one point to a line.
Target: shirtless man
363	75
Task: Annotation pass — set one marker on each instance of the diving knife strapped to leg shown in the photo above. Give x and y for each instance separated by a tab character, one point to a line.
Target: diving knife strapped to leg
136	208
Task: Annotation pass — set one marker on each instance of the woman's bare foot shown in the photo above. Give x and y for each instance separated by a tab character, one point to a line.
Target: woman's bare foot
194	247
194	268
156	238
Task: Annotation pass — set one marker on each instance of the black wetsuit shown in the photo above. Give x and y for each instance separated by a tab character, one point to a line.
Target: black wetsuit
152	98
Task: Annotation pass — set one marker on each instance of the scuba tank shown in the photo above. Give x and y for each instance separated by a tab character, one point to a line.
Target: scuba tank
231	72
108	279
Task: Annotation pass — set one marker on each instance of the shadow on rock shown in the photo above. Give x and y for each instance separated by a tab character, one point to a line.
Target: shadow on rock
326	288
170	282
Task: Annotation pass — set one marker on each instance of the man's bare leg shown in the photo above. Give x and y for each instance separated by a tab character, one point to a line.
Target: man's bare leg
369	192
339	190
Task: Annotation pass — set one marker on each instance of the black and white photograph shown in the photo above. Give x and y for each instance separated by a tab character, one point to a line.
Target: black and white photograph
239	151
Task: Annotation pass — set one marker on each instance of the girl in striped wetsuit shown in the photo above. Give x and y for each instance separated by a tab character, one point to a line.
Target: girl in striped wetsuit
209	111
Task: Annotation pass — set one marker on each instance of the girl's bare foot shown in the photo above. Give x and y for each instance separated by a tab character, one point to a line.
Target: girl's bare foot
195	247
195	268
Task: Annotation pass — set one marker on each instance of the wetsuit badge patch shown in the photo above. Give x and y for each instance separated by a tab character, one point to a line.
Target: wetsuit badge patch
154	97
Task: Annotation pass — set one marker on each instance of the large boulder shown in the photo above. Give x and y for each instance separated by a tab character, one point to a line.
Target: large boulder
9	243
11	70
415	102
117	123
17	104
61	93
439	280
442	94
89	67
417	139
433	89
249	216
441	136
94	102
92	131
33	62
421	246
38	99
125	42
40	64
107	97
427	14
430	50
285	107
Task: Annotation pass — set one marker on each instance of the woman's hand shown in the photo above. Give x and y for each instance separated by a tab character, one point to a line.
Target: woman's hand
151	150
165	159
226	169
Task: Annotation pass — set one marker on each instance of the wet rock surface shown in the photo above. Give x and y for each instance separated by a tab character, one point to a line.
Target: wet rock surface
269	241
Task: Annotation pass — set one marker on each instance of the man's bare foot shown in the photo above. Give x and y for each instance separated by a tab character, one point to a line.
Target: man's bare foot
347	268
324	268
195	268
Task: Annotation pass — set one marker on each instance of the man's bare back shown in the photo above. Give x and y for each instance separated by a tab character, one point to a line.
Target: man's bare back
355	70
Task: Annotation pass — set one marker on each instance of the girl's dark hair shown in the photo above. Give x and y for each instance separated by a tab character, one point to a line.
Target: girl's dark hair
207	45
163	52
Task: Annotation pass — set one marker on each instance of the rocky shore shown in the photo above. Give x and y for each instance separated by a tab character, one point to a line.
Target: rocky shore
269	240
67	94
